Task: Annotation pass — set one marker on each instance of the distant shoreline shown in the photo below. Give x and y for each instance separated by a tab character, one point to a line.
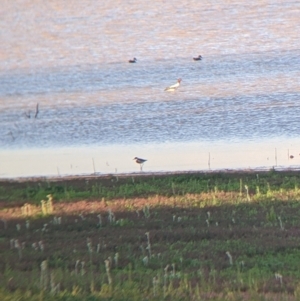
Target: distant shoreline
95	176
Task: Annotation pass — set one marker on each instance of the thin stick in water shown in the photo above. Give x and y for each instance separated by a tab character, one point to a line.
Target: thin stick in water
94	166
36	110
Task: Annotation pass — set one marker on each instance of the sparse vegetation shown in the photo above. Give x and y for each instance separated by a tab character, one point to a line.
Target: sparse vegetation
215	236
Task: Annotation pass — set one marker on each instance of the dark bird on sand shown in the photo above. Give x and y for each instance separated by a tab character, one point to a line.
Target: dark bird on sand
132	61
140	161
198	58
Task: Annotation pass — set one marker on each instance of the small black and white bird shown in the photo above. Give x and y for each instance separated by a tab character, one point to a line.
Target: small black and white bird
175	86
140	161
198	58
132	61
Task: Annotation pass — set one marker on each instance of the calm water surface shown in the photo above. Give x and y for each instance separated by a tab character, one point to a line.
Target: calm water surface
237	107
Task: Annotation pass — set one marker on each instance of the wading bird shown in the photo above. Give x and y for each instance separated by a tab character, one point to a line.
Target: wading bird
174	87
132	61
140	161
198	58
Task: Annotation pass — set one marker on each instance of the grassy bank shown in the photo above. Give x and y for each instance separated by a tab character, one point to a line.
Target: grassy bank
215	236
112	187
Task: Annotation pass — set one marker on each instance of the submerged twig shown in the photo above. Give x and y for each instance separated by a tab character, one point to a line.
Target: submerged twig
12	135
36	110
28	114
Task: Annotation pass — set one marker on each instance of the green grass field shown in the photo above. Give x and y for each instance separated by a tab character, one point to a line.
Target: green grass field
198	236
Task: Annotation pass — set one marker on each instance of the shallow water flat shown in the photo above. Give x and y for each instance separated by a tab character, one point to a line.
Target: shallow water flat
72	60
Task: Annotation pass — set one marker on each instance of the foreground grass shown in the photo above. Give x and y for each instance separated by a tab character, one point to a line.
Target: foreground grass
111	187
182	237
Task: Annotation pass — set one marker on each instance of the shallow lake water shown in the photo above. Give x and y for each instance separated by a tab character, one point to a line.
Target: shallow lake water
236	108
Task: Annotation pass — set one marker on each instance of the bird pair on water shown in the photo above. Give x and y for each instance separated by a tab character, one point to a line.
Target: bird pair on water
198	58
